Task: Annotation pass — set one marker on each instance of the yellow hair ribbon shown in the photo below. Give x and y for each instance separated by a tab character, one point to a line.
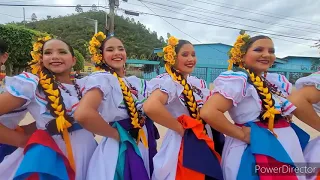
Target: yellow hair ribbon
143	137
67	141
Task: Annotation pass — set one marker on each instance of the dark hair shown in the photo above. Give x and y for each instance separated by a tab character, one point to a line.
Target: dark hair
104	42
69	46
261	93
180	44
3	47
254	39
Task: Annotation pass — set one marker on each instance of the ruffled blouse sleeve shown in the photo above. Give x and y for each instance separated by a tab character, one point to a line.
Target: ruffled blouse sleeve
281	82
311	80
99	80
231	85
23	86
167	85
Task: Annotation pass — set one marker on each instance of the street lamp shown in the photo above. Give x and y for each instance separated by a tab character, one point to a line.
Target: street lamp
95	24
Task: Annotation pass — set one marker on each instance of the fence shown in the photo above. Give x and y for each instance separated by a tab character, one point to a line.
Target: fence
149	69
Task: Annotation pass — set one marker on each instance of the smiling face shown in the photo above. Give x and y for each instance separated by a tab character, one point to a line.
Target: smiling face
57	56
114	54
186	59
260	56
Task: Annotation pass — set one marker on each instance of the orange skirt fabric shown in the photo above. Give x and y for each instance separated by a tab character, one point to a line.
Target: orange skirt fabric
197	159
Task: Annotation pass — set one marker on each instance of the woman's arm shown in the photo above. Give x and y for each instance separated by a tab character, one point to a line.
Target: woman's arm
6	107
213	113
88	116
13	138
9	136
303	100
155	109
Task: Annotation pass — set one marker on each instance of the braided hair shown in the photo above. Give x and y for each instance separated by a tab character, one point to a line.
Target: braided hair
269	113
187	92
62	121
136	121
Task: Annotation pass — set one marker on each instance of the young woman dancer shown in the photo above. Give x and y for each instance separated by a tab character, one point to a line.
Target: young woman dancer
187	151
111	107
256	101
60	148
307	101
11	142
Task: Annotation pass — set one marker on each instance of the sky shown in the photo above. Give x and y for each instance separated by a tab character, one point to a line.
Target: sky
293	25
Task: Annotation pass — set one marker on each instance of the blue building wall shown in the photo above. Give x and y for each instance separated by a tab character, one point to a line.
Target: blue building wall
296	63
210	53
212	60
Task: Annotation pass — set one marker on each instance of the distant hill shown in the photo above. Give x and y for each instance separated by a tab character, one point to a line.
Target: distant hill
75	29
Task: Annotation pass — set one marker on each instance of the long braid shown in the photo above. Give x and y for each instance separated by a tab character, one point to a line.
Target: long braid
187	93
57	109
170	55
55	104
269	113
237	52
96	47
130	106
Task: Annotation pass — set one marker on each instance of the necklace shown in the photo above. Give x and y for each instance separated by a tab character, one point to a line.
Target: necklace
273	88
277	94
76	86
133	90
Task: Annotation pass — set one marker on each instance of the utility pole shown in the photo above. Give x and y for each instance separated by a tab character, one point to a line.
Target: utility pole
24	17
95	24
107	26
110	18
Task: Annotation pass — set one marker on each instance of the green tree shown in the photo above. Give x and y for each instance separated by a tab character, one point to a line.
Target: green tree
80	45
94	8
79	9
20	41
33	17
80	61
74	29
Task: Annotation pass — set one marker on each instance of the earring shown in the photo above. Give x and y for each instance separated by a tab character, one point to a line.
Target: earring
2	71
72	75
124	69
265	74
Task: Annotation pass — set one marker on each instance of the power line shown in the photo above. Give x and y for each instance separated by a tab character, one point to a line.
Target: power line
218	13
162	5
181	30
244	9
228	27
249	26
205	19
12	16
297	43
211	24
239	28
217	49
19	1
42	5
